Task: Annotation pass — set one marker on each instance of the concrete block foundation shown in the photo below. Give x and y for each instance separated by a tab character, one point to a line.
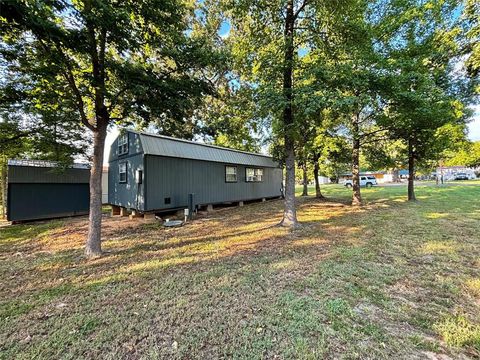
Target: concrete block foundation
149	217
115	210
135	215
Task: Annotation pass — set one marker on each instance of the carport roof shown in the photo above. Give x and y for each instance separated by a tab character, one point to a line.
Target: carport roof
161	145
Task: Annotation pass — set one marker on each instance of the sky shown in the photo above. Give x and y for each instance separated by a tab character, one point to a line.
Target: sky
224	29
474	126
111	136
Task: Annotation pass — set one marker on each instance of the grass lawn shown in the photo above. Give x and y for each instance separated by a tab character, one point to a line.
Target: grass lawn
390	280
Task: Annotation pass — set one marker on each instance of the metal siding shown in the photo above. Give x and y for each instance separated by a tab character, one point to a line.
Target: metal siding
32	174
176	178
44	201
177	148
130	194
134	147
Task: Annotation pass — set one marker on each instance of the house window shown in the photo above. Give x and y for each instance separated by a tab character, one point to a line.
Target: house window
122	172
230	173
123	144
254	175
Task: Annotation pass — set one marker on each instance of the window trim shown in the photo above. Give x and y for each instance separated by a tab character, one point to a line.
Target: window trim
254	168
120	173
123	144
236	174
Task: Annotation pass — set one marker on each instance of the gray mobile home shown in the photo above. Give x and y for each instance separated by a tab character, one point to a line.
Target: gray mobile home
150	173
38	189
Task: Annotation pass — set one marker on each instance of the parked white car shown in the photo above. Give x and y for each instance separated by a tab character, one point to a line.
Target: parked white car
367	181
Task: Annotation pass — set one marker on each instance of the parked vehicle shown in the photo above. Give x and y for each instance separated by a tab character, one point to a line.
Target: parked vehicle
367	181
461	176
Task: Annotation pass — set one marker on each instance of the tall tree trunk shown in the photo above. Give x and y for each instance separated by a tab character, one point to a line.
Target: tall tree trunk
93	248
290	214
411	170
97	41
305	179
356	194
316	171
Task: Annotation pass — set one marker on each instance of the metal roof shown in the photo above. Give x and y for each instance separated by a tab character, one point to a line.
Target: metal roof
52	175
167	146
44	163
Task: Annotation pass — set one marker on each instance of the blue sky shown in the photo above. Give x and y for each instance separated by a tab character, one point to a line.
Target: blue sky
224	29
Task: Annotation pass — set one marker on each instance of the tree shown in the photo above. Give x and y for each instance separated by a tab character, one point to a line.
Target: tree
269	38
471	14
324	147
365	107
473	159
423	94
266	32
467	155
422	111
306	151
386	154
230	118
417	124
351	69
117	62
422	108
337	160
321	147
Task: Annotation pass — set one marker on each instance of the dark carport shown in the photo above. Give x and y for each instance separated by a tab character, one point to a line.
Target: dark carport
42	190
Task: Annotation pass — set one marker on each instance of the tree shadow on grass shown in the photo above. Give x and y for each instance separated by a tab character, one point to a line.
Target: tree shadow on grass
242	232
240	267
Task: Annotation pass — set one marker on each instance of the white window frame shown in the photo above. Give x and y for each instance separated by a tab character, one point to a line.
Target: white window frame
123	144
122	166
234	173
257	175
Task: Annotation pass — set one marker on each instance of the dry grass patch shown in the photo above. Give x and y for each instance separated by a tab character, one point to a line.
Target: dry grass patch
473	286
383	281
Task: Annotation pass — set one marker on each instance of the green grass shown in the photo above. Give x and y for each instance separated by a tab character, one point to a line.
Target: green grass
389	280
